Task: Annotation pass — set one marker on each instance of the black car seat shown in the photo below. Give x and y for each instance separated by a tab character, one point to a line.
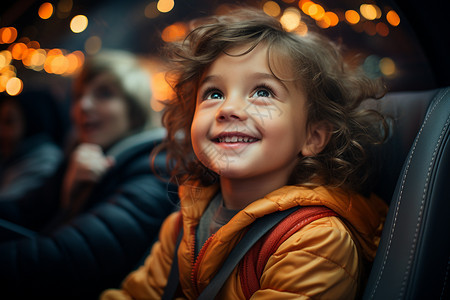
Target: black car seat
413	259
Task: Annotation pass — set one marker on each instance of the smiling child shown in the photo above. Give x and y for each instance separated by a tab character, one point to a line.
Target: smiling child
266	120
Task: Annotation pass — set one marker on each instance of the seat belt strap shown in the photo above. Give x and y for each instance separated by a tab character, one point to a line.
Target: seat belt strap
174	276
256	231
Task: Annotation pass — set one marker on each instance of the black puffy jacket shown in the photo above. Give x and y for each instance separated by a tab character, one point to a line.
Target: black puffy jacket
101	244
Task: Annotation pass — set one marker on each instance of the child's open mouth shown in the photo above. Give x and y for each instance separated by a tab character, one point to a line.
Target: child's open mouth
234	138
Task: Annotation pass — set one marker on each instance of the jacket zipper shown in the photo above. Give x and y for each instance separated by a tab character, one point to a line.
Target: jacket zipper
196	262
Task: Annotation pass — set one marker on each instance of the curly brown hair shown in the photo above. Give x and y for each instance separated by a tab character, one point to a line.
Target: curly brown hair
334	93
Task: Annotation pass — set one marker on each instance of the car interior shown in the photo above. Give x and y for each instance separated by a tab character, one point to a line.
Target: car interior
413	177
412	261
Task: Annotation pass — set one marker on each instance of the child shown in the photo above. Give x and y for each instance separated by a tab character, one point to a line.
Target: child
265	120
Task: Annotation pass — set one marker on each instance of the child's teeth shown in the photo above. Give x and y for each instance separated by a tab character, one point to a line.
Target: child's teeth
236	139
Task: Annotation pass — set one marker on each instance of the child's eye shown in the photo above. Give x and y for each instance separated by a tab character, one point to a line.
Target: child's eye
263	92
212	94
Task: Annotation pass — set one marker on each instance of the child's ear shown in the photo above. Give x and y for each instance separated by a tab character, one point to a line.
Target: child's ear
318	136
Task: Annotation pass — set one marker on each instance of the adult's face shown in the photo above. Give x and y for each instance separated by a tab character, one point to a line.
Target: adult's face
100	112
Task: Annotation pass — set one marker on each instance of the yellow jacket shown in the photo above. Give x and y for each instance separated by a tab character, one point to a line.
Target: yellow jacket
320	261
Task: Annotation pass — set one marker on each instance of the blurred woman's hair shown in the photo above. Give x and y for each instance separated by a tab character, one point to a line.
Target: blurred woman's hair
128	74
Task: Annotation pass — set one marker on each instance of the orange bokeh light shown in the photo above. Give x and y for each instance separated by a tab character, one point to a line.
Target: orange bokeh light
165	6
301	3
174	32
333	17
352	16
45	10
8	35
316	11
34	45
272	8
393	18
18	50
382	29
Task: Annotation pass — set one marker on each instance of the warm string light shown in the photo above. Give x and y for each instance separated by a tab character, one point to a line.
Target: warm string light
33	57
367	18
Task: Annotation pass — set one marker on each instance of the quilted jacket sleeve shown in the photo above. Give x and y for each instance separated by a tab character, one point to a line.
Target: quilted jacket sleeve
97	249
318	262
149	280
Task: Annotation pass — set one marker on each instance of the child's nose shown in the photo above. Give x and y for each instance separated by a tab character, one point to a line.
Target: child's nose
233	108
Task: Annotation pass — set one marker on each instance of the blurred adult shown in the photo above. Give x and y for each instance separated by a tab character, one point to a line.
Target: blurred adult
92	223
31	130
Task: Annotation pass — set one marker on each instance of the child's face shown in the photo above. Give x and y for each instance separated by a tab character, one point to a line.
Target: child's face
247	123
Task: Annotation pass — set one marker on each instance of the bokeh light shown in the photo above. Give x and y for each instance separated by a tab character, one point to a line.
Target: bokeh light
393	18
272	8
72	60
352	16
93	45
304	5
316	12
368	11
333	17
302	29
382	29
5	58
27	56
8	35
45	10
165	6
290	19
60	64
78	23
371	66
387	66
14	86
56	62
33	44
174	32
38	60
18	50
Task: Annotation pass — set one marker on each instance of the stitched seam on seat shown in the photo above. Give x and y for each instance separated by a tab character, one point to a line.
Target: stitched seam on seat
401	192
445	279
422	205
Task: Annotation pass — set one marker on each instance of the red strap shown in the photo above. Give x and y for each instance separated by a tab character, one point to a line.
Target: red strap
253	263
